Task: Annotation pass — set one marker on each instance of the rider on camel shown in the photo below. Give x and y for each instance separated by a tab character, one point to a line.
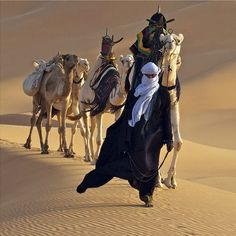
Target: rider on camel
144	45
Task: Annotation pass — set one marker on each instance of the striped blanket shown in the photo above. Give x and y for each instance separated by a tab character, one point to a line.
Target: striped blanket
102	86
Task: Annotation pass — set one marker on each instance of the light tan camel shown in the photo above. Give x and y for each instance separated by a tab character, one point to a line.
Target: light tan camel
170	65
56	88
116	98
78	82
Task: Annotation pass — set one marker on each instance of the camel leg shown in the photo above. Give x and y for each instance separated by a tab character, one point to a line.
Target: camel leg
27	144
82	128
73	131
60	148
170	181
86	139
39	128
63	131
48	127
159	180
78	123
99	138
91	140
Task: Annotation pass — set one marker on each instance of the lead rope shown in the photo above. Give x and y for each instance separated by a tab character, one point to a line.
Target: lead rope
163	161
143	175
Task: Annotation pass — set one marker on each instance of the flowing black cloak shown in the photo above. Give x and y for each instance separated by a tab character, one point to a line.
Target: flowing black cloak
133	152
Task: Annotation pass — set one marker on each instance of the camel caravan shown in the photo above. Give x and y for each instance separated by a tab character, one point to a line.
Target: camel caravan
67	87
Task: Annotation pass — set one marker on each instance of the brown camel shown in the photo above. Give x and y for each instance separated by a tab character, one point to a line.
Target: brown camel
79	77
56	88
37	97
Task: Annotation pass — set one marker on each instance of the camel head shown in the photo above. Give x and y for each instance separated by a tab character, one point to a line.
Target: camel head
127	61
70	61
171	42
82	69
84	65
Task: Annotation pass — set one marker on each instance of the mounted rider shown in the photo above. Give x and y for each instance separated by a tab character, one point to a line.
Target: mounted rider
106	77
106	49
147	42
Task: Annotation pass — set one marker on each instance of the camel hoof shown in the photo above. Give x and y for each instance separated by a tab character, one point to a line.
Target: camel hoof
173	183
93	162
71	151
159	185
167	183
27	146
44	152
86	159
68	154
60	149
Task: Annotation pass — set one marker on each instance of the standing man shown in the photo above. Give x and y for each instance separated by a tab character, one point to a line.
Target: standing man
132	145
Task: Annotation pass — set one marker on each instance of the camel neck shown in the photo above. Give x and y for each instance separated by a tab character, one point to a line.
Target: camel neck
169	69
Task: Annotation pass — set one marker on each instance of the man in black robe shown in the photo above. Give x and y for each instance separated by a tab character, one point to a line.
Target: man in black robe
132	145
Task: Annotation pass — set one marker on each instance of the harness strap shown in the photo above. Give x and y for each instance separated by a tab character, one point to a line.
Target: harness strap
169	88
78	82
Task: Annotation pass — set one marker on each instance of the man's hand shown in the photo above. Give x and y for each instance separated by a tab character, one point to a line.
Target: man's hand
169	146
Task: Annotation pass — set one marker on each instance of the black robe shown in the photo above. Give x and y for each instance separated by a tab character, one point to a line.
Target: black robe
132	153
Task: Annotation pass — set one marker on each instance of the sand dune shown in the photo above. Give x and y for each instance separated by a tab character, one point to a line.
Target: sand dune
199	163
44	202
38	192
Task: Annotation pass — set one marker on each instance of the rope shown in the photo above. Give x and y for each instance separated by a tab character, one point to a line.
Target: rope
143	175
163	161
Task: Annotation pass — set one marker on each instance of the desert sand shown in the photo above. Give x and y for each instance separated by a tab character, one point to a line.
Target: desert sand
37	193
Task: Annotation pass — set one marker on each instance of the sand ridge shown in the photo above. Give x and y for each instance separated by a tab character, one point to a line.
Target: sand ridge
55	208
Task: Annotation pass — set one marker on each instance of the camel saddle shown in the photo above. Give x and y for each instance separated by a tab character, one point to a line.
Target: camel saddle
102	85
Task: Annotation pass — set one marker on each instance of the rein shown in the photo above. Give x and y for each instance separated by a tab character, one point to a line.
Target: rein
144	176
163	161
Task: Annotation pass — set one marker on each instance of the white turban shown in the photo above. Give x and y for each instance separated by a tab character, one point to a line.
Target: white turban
145	90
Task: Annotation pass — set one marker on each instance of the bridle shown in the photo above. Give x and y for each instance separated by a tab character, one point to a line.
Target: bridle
75	81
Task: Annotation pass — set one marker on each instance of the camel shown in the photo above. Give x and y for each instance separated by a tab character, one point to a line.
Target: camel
170	65
116	99
78	81
39	65
56	88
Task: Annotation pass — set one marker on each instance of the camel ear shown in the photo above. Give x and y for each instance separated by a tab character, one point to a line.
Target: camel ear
180	39
121	57
162	37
